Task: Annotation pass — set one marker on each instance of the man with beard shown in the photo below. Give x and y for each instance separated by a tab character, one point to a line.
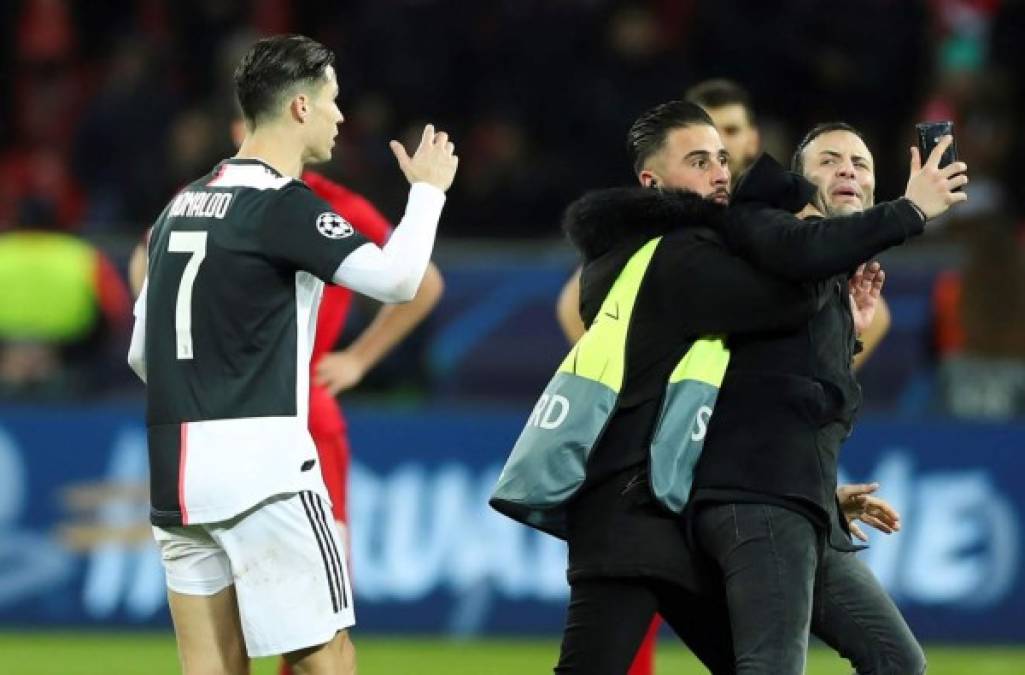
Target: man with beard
627	555
729	107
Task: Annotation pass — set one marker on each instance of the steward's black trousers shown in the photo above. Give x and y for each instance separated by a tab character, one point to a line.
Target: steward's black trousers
608	618
628	559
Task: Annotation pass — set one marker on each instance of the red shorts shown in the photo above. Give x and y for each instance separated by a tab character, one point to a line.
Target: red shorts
333	451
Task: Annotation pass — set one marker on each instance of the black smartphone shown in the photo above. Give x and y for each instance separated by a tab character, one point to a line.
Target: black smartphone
929	135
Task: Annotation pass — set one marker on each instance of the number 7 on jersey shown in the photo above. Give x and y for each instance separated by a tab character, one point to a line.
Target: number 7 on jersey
194	243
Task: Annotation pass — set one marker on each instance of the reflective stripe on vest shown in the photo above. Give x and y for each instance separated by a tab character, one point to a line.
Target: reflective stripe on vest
683	421
549	461
600	355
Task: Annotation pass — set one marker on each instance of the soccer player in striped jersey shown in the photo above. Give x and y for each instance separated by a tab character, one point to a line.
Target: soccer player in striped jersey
333	372
223	337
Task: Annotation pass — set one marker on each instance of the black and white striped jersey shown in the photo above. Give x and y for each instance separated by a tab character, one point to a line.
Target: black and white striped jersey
237	262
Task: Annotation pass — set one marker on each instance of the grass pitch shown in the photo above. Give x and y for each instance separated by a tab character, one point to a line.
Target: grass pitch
154	654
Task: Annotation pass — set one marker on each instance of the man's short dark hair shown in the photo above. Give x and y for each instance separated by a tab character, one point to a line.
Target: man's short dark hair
718	93
273	67
797	160
649	133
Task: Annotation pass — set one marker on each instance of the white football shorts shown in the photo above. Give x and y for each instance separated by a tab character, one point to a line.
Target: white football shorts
287	563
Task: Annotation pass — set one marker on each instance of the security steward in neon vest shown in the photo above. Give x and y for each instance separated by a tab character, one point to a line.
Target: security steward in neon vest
628	556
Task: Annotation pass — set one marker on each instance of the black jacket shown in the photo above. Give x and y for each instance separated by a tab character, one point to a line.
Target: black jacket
789	398
694	286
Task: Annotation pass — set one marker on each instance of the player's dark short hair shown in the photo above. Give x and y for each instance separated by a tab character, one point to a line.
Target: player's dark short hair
275	66
797	160
718	93
649	133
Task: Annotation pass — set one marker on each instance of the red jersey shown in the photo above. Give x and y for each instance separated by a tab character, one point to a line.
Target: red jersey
325	415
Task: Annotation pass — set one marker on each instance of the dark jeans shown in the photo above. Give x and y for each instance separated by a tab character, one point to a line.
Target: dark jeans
782	582
609	617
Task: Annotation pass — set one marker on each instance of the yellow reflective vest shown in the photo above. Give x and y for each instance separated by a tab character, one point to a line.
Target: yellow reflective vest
548	463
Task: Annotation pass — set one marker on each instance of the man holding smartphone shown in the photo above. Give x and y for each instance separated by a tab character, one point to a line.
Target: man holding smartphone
763	506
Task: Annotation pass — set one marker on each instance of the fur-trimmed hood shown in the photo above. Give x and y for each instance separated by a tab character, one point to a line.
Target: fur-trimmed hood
601	220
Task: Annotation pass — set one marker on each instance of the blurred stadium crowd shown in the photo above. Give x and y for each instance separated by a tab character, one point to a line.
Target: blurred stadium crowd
106	108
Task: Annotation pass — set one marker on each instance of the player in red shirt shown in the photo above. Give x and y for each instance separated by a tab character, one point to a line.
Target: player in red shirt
334	372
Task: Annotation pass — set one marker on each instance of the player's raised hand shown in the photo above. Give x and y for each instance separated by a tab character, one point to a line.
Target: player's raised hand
434	162
932	188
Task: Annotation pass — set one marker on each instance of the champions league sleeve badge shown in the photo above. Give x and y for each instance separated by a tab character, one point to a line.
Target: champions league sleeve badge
333	226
